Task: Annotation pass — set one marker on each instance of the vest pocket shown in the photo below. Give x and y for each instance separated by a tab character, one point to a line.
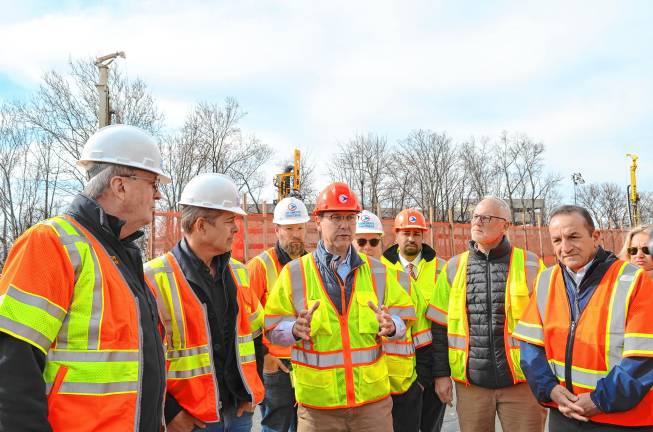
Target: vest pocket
374	372
399	367
314	378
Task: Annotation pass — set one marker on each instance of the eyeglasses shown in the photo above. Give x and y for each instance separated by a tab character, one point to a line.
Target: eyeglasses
336	218
485	219
155	182
633	250
363	241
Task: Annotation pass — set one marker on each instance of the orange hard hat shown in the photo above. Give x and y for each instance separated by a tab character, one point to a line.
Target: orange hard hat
337	197
410	219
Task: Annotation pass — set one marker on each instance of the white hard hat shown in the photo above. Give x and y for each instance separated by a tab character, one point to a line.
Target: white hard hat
368	223
290	211
214	191
123	145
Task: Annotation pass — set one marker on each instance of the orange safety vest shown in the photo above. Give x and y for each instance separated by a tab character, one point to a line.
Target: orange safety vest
614	324
63	294
191	370
264	270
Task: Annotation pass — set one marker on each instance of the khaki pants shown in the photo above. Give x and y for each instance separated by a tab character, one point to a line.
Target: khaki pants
517	408
374	417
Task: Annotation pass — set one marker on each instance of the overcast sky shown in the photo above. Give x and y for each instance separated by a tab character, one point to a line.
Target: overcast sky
577	76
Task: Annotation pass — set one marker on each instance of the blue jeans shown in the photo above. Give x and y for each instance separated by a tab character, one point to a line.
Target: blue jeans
229	422
278	407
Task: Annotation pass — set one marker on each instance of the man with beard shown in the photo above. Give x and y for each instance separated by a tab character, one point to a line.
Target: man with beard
478	300
290	218
413	256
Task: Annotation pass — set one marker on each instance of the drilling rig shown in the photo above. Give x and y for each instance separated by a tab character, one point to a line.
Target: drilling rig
288	182
633	196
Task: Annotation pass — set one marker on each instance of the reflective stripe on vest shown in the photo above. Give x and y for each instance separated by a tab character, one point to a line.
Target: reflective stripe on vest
270	266
399	348
422	338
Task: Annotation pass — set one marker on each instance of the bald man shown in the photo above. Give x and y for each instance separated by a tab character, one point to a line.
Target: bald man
478	300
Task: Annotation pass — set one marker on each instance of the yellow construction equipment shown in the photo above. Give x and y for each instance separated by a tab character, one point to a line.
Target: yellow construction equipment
288	182
633	196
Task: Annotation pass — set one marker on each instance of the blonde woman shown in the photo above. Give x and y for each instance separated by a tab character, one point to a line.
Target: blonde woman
636	249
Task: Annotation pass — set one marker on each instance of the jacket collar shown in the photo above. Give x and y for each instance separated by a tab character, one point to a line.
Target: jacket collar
194	269
90	213
322	256
392	253
593	276
502	249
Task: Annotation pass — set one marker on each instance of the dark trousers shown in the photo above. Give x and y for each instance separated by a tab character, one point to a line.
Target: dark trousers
432	409
559	423
278	408
407	409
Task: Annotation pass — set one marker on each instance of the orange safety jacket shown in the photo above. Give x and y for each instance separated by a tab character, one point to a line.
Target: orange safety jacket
616	323
263	271
78	310
191	371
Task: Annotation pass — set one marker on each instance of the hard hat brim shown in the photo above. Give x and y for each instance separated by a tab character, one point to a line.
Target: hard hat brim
83	163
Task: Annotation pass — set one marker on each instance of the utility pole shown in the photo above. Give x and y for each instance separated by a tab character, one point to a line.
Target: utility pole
578	179
102	63
633	195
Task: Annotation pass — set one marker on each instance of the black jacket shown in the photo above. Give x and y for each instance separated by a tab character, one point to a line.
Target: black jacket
486	283
424	355
23	403
219	295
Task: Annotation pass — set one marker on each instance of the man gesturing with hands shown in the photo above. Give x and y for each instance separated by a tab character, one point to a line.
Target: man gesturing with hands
333	306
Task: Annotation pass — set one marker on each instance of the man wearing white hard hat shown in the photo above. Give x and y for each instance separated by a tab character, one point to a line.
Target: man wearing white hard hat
369	234
290	218
213	321
80	341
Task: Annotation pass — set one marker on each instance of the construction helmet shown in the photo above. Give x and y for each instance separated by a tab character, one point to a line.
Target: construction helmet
123	145
410	219
368	223
336	197
213	191
290	211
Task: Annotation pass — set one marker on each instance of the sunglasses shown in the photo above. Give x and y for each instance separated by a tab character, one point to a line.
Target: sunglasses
633	250
373	242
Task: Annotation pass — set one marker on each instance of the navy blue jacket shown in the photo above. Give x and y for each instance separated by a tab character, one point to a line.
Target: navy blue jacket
624	386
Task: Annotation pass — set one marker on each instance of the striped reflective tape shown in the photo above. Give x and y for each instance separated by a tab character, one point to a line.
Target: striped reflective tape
457	341
89	302
92	356
270	268
297	284
25	332
404	280
188	352
403	312
189	373
86	388
452	268
615	334
437	315
580	377
248	358
379	274
638	343
318	360
402	349
422	338
529	332
366	356
543	286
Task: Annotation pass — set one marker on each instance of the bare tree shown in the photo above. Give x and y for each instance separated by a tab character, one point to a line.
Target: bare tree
64	111
211	141
606	202
362	162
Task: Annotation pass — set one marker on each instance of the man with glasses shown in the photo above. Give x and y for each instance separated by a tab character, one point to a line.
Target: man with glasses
290	217
80	337
478	300
411	255
334	306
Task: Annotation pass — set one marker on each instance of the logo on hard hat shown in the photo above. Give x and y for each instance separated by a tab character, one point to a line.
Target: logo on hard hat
292	207
365	218
412	219
343	198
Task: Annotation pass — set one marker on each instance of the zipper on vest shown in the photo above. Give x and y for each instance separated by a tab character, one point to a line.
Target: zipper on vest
569	352
489	324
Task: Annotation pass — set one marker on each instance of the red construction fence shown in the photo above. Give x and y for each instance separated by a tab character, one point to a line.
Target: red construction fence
256	233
